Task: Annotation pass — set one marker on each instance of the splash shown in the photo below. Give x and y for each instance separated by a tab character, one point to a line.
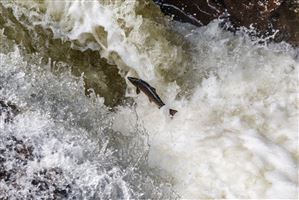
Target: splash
236	132
236	135
61	144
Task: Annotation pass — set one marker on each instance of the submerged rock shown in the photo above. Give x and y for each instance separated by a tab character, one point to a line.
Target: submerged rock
195	12
101	76
15	157
48	182
8	110
266	16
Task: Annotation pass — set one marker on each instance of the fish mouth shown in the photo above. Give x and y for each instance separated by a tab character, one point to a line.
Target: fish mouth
132	79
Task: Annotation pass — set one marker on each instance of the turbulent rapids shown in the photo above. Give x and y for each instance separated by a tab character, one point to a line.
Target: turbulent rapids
70	129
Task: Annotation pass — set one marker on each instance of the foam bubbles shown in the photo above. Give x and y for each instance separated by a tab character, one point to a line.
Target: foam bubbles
235	134
61	144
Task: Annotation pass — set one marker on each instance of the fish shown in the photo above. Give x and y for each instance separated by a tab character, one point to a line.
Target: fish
150	92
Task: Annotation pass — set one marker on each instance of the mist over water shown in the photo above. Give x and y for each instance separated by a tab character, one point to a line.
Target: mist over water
235	134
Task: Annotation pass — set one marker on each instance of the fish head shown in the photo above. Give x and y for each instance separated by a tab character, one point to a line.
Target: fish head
134	81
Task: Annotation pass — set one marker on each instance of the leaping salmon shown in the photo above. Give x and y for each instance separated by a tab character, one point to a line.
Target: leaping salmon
150	92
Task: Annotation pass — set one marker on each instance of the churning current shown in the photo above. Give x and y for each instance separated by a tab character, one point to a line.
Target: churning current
82	132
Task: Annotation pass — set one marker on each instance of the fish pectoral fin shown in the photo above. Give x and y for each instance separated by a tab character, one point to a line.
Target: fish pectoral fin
150	100
137	90
154	89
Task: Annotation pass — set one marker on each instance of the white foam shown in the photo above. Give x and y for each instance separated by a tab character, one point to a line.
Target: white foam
67	137
236	134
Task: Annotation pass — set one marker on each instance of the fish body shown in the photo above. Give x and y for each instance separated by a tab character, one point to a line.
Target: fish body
149	91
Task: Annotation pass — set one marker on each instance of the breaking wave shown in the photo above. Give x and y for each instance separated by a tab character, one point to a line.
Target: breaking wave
235	134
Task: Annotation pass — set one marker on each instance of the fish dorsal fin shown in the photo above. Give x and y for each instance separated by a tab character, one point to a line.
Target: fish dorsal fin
137	90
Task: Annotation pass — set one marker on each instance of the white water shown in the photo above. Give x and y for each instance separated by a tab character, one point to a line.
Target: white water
236	132
71	133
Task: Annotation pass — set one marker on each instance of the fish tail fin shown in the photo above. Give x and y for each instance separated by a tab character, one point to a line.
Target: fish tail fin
172	112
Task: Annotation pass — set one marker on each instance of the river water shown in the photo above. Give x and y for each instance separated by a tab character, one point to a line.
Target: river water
64	63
